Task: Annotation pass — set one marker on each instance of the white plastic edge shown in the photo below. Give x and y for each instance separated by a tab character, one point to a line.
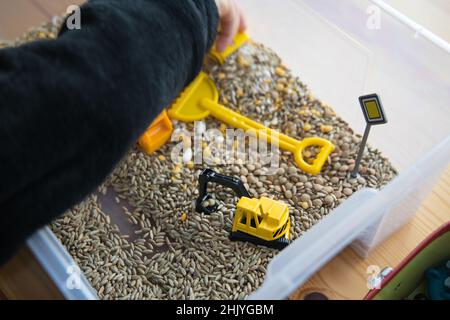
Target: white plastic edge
300	260
316	247
418	28
56	261
424	173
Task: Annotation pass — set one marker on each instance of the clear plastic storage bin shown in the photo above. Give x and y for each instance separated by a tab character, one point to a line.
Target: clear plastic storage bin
331	47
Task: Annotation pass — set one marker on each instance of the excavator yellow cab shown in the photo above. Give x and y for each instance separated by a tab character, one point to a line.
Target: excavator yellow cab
262	221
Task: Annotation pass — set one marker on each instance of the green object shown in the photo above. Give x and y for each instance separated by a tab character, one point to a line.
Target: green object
410	278
420	293
420	296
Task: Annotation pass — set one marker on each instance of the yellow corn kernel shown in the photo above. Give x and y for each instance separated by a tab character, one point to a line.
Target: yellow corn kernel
307	127
280	71
326	128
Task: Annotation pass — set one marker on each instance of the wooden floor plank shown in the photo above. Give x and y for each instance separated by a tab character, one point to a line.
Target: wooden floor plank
345	276
56	7
18	16
23	278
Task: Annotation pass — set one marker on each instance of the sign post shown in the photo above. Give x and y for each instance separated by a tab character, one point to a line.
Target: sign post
374	115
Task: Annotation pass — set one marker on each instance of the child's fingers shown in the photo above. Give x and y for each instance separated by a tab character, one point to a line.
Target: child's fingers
242	22
229	23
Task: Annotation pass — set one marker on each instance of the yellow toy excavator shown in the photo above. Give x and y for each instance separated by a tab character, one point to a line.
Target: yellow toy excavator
260	221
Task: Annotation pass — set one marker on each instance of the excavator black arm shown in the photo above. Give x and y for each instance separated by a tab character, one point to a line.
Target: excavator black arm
209	175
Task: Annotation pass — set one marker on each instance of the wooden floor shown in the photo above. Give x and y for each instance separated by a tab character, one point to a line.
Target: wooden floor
16	16
342	278
345	277
24	278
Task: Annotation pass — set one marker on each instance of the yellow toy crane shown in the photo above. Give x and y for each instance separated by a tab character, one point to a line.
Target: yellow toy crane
260	221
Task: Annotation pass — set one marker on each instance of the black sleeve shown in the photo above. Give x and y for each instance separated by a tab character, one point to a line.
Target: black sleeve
70	108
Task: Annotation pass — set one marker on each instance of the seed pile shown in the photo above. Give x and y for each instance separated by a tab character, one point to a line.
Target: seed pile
138	236
47	30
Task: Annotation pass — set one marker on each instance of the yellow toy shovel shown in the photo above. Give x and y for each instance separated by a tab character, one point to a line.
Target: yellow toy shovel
200	99
161	129
240	39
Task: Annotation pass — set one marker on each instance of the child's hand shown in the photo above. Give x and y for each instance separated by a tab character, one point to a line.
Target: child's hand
232	21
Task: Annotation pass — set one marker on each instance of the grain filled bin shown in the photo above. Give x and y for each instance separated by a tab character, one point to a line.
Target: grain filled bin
341	58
